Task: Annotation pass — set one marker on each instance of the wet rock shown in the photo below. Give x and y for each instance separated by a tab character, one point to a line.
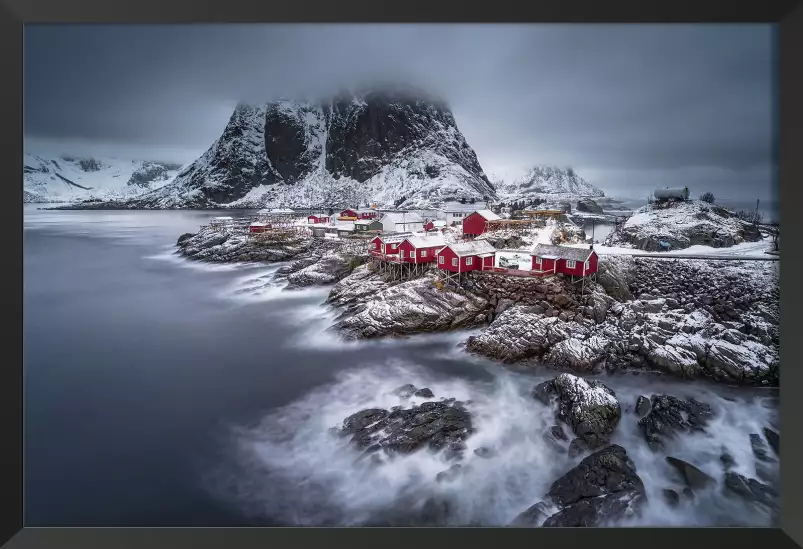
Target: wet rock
484	452
405	391
694	477
533	516
424	393
589	408
670	417
558	433
759	448
643	406
671	497
774	440
450	474
727	459
751	490
602	488
431	424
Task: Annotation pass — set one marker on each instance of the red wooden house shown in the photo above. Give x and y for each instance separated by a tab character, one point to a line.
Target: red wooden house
348	212
257	227
316	219
364	214
420	249
567	260
474	224
387	244
467	256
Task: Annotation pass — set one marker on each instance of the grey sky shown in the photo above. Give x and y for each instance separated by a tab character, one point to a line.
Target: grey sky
628	106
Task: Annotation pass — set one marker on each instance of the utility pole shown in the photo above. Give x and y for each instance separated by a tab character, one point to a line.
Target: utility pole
755	216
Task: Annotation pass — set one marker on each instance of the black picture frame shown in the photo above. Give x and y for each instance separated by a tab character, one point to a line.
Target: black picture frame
15	14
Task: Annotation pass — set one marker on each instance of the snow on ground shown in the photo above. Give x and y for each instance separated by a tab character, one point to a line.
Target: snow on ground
744	250
511	260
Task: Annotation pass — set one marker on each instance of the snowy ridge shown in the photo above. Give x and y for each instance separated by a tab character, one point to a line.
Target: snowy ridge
69	179
383	148
549	183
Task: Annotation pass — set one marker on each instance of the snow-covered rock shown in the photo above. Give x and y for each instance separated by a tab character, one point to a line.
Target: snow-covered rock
212	245
589	407
411	307
390	148
683	224
65	178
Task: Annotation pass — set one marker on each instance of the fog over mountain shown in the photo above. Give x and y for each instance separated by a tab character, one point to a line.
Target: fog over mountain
628	108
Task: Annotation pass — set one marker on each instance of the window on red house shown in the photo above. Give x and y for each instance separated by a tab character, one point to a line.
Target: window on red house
469	260
454	262
440	260
570	264
423	253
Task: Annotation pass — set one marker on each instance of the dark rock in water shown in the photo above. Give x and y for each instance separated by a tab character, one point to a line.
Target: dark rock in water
671	497
454	451
533	516
432	424
558	433
589	206
577	447
426	392
670	416
727	459
751	490
405	391
484	452
589	407
759	448
449	474
184	237
689	493
643	406
774	440
694	477
602	488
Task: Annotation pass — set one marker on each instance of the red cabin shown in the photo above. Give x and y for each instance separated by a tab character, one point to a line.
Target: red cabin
316	219
467	256
566	260
364	214
348	212
257	227
420	249
474	224
387	244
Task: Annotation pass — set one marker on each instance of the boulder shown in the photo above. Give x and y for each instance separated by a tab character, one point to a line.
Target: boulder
670	416
692	476
589	408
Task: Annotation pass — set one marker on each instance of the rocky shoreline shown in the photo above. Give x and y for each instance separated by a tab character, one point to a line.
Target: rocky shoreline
686	318
603	488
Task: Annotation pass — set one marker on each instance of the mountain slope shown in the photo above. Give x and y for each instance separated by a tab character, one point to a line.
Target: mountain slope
390	148
68	179
549	183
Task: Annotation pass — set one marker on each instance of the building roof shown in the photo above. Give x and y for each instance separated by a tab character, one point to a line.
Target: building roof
487	214
460	207
345	228
257	224
429	241
395	237
561	252
406	217
474	247
225	218
365	221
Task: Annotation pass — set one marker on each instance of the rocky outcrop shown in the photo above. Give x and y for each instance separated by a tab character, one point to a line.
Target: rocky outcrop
602	489
669	417
434	425
752	491
587	205
683	224
220	246
321	270
549	183
588	407
713	321
410	307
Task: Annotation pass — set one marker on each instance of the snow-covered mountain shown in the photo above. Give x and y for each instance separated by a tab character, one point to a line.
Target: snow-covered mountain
69	179
547	182
389	148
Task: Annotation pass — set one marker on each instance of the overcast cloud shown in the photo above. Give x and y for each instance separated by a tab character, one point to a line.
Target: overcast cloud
629	107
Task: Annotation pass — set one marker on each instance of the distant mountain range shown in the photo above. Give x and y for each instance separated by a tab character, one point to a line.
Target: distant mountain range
70	179
398	148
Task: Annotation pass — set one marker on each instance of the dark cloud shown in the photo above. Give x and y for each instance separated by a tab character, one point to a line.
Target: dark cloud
647	104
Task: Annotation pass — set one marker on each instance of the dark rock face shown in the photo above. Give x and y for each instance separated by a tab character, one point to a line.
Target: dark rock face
671	416
435	425
590	408
774	440
694	477
353	136
602	488
752	491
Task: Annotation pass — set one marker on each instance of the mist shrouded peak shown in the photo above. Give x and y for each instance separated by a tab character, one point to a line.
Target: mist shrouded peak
392	143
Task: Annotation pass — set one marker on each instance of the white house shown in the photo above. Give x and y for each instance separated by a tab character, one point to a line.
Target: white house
402	222
455	212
